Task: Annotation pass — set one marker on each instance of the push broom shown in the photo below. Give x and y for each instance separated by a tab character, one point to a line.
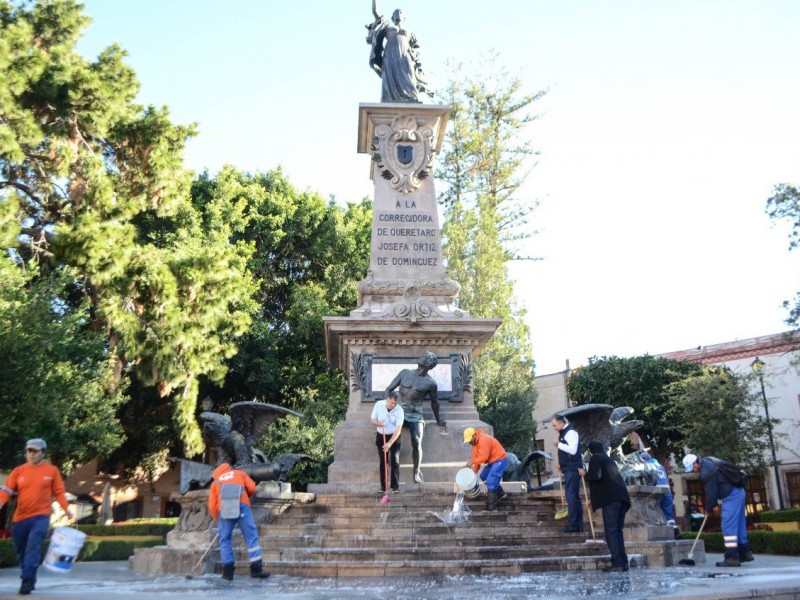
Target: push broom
689	560
385	499
594	539
199	562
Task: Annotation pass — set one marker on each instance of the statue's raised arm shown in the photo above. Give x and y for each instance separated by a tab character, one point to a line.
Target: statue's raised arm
394	56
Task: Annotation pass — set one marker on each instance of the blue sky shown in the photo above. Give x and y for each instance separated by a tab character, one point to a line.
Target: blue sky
664	130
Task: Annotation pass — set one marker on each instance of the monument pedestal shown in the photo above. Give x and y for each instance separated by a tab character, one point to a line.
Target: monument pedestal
406	307
372	352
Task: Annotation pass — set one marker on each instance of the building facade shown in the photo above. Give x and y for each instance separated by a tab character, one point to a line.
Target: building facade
773	355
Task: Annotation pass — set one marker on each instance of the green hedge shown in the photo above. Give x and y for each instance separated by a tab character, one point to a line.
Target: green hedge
110	549
93	549
133	529
780	516
154	520
761	542
8	556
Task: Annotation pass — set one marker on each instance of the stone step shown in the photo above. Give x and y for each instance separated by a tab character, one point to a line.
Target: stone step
475	518
398	502
434	554
389	539
415	498
406	568
430	526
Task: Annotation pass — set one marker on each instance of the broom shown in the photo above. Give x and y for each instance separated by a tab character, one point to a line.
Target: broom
689	561
385	499
594	539
563	512
199	562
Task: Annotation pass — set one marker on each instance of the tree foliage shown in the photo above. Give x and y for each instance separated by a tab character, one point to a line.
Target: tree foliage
683	404
784	204
55	373
309	255
483	165
99	192
719	416
640	382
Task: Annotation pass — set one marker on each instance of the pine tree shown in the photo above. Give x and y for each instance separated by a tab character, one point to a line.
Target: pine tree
100	189
485	218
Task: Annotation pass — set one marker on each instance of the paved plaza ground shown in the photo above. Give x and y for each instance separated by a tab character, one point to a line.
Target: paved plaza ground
767	576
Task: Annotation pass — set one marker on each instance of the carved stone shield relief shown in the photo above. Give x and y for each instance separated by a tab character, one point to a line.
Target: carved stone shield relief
403	151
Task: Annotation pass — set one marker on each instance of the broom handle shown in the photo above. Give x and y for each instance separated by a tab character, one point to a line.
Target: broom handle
214	541
588	507
385	464
561	489
697	537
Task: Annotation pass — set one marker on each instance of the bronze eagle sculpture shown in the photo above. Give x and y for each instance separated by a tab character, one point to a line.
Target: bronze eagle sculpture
234	437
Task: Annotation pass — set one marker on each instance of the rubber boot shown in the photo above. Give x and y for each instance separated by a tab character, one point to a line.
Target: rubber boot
257	570
491	503
26	587
501	494
227	571
745	555
730	561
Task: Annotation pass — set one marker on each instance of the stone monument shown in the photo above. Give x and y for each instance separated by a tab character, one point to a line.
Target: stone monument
406	302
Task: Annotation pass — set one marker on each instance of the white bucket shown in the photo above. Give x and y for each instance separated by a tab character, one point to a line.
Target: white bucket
467	480
64	547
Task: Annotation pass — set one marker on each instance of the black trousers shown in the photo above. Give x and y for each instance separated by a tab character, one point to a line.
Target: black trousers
393	459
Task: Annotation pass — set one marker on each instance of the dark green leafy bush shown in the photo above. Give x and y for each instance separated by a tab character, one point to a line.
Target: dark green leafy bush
93	549
780	516
111	549
133	529
786	543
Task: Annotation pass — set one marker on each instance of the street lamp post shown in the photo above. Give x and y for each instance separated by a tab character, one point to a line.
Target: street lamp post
758	368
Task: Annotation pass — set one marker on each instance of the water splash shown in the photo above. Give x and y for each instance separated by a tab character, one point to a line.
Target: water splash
458	514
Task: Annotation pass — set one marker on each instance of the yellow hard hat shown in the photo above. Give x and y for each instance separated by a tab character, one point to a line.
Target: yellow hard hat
468	433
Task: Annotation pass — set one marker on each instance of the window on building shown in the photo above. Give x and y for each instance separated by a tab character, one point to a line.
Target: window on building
128	510
793	487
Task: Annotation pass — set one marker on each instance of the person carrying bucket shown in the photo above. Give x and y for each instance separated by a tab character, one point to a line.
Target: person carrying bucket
229	504
487	450
36	483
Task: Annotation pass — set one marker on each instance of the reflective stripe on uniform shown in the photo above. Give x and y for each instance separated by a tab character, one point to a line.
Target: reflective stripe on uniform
254	553
731	541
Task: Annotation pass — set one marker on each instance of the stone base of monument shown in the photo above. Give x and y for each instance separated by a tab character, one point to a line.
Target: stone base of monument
188	544
356	466
354	535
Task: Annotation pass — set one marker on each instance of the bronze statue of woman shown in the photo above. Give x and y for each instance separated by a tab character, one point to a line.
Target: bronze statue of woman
395	58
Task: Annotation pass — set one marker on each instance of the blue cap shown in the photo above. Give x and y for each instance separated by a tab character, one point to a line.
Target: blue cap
36	444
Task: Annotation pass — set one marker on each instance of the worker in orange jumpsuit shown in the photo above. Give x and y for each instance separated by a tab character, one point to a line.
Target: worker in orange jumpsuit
487	450
229	504
35	483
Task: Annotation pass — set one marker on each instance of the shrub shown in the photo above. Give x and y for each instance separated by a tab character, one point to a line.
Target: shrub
171	521
761	542
780	516
93	549
111	549
133	529
8	556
